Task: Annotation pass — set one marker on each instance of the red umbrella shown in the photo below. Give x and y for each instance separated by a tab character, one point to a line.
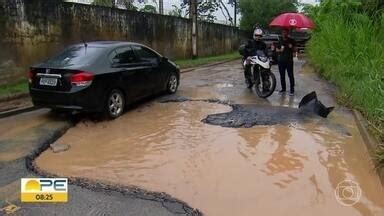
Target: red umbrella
292	20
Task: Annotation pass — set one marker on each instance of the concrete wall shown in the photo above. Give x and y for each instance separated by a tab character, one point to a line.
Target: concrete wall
32	30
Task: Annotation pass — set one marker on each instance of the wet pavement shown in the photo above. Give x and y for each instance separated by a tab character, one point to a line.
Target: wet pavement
298	166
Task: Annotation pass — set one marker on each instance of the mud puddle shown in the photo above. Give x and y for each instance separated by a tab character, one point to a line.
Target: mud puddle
265	170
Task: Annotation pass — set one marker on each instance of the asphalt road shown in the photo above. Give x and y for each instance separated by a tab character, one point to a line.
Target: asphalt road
214	146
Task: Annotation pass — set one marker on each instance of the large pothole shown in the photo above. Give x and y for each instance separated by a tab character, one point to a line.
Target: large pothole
166	147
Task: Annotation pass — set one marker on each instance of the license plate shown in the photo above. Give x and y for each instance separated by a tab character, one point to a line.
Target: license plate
48	81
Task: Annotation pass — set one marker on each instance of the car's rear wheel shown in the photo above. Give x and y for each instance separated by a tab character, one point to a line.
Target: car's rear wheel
115	104
172	84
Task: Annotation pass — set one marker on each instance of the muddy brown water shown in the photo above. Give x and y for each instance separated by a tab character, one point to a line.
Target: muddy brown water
275	170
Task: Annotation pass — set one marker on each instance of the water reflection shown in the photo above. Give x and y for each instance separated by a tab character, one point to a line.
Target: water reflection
222	171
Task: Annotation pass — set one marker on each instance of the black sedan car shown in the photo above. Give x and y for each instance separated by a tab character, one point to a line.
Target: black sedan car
102	76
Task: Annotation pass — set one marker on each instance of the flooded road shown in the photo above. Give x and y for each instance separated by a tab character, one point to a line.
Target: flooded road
297	168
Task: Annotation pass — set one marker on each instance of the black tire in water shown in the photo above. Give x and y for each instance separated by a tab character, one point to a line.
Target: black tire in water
115	104
172	84
265	94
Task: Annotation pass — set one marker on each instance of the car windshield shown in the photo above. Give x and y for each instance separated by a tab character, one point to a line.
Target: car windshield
76	55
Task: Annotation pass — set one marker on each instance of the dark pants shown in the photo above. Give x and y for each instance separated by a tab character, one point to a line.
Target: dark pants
287	66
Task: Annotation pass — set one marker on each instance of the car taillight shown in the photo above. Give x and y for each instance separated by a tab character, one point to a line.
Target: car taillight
31	75
81	78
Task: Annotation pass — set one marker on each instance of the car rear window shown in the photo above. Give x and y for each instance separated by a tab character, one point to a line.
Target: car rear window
76	56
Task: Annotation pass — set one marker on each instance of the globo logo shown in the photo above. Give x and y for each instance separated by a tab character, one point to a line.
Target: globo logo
292	22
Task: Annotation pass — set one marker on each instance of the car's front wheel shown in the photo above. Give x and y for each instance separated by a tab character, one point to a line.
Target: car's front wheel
115	104
173	83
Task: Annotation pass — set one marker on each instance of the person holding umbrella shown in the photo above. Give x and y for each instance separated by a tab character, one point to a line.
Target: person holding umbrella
286	47
285	51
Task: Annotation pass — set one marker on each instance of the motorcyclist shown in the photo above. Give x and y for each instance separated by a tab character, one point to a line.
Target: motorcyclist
250	50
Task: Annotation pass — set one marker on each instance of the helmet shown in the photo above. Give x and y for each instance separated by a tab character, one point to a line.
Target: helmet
257	32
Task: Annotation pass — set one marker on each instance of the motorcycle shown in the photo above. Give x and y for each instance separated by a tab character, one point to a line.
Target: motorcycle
261	76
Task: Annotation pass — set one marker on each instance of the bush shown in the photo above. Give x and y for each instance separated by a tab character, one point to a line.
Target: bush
348	48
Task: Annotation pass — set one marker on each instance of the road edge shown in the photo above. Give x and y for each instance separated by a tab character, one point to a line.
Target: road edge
369	141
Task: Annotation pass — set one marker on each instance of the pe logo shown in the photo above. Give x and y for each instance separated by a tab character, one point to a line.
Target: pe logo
44	190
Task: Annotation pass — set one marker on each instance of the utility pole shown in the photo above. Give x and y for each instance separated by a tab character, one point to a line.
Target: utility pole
193	12
235	16
161	7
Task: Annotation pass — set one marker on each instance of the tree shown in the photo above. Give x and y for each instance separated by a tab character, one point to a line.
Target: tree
308	9
161	7
149	9
130	6
106	3
262	11
127	4
114	3
176	11
206	9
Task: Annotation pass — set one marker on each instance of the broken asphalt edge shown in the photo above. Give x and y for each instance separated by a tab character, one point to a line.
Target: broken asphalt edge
369	141
98	186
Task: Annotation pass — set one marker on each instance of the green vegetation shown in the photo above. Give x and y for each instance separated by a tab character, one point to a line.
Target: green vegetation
14	88
206	10
379	157
347	48
149	9
262	12
176	11
185	63
105	3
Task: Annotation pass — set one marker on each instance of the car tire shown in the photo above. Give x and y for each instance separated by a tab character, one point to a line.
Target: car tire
172	83
115	104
